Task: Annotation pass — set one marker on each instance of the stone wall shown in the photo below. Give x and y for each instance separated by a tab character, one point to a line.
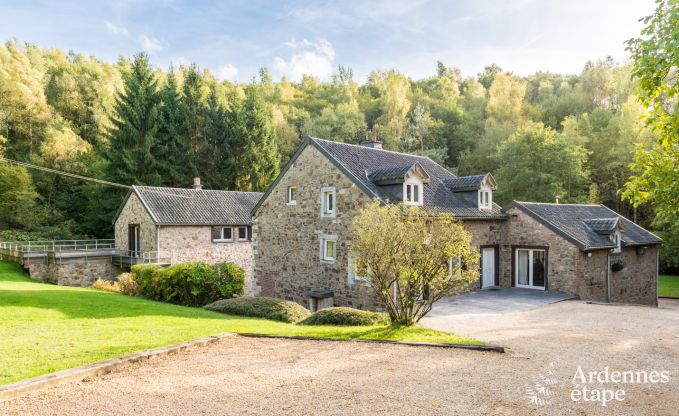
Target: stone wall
487	233
194	243
81	272
638	281
287	237
134	213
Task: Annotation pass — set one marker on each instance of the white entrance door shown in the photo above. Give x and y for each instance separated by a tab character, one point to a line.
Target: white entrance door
487	267
530	268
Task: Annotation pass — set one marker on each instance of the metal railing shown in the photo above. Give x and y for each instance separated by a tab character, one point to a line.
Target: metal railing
126	257
56	245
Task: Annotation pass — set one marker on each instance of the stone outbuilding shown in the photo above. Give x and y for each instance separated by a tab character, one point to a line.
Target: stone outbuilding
175	225
585	250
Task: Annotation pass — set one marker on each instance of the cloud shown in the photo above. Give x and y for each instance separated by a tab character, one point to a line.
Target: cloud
311	58
116	30
227	72
150	44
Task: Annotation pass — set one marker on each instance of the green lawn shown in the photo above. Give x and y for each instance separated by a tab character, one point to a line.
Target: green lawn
668	286
46	328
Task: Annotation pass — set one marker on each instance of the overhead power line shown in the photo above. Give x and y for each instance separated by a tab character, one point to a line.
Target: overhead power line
58	172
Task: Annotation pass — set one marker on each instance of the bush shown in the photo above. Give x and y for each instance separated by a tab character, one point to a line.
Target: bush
128	285
101	284
143	274
230	280
345	316
190	284
261	307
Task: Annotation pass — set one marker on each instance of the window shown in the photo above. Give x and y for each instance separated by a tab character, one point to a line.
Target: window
292	195
353	278
242	233
485	199
222	234
328	248
412	193
328	203
615	237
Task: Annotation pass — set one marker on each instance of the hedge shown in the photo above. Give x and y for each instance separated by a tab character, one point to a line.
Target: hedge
261	307
345	316
190	284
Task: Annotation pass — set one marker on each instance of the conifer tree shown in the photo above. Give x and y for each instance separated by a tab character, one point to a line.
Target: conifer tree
171	150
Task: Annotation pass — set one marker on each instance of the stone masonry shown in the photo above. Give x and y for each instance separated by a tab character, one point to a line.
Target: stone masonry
134	213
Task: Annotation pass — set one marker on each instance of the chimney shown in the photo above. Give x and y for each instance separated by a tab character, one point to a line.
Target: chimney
557	199
196	184
373	143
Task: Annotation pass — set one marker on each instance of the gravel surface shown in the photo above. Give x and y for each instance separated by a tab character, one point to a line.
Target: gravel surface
249	376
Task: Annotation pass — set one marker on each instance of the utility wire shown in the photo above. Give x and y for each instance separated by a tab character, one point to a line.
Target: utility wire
58	172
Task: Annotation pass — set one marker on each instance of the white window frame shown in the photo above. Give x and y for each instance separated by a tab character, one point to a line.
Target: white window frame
291	200
246	234
531	256
325	238
617	239
352	277
325	193
416	195
485	198
221	235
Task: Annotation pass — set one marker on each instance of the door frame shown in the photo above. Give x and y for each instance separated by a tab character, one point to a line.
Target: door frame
530	247
137	239
496	249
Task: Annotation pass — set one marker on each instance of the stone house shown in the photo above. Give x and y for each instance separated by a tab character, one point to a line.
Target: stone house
174	225
301	237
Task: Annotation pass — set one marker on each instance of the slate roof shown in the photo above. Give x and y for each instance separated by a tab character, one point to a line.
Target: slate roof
357	162
389	173
572	222
180	206
466	183
603	226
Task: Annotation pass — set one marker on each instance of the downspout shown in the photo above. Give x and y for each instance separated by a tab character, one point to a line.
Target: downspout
608	276
657	274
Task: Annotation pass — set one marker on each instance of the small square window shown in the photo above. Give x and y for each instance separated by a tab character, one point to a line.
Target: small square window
292	195
242	233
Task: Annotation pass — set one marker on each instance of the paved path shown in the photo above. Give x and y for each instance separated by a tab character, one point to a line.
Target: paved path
245	376
490	302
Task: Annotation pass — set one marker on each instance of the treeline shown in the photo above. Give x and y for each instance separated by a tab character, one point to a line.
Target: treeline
543	136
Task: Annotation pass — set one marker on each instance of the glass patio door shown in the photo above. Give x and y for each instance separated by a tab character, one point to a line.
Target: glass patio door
530	268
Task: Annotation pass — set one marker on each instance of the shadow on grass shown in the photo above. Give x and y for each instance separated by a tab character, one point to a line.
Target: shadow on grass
79	303
13	272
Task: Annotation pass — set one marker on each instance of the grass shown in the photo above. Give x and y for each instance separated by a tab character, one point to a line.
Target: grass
668	286
46	328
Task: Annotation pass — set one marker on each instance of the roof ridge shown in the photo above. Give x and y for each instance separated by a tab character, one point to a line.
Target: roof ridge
553	203
191	189
371	148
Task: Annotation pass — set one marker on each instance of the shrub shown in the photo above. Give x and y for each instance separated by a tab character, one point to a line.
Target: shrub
190	284
143	274
345	316
128	285
261	307
230	280
101	284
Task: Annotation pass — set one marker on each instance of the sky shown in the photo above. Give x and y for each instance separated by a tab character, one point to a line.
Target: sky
291	38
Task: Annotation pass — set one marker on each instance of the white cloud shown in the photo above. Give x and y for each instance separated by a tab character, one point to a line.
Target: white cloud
116	30
312	58
150	44
227	72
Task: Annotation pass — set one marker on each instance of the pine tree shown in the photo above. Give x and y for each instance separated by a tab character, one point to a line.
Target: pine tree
135	124
262	160
215	161
171	150
193	115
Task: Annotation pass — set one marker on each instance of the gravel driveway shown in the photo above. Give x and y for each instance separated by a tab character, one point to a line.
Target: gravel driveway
269	376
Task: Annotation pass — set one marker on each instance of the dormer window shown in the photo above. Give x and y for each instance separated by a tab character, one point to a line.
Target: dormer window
412	193
617	240
485	198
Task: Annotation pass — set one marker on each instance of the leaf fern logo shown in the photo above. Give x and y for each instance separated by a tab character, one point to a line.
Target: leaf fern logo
540	391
